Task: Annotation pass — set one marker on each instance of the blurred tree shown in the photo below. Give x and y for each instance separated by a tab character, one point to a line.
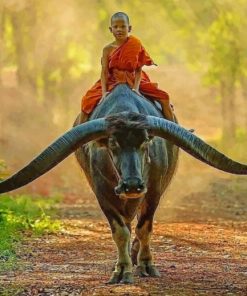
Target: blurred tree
51	49
7	48
225	66
23	21
211	33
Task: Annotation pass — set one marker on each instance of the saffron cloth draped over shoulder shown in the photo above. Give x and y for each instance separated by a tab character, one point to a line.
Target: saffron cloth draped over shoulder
122	64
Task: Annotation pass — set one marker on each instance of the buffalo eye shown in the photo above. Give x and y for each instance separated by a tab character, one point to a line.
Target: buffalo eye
146	143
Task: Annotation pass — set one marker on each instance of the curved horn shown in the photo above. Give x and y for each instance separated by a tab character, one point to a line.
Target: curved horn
55	153
193	145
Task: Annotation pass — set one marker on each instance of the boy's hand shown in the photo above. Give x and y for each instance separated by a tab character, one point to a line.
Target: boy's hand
103	96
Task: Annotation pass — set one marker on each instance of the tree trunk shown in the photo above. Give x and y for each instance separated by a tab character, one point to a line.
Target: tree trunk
23	22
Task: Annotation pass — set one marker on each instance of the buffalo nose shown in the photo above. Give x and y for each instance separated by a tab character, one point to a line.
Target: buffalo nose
133	186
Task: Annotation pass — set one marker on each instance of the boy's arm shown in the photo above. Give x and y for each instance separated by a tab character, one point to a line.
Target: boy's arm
137	81
104	70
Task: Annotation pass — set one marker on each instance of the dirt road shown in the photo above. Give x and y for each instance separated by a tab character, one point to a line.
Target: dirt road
195	253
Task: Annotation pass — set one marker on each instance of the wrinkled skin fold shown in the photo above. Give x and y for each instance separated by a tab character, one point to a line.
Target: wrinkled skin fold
129	155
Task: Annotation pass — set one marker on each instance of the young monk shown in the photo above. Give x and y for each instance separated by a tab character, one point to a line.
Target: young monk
122	62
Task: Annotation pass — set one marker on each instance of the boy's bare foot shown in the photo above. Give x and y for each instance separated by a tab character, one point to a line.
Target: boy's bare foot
83	117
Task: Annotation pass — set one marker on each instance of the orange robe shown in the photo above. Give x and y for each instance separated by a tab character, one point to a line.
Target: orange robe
123	61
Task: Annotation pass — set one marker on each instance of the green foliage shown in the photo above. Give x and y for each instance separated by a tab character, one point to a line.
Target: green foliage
12	290
8	40
212	36
224	48
21	214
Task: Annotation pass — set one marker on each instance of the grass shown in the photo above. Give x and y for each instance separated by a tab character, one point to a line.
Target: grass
21	215
11	291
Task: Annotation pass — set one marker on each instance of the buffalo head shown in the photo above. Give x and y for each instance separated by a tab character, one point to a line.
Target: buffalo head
129	153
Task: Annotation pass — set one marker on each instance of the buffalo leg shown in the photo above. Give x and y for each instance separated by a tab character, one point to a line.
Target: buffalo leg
145	266
134	250
129	245
123	268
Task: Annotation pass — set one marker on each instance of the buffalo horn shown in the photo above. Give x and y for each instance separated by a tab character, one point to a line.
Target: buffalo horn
194	145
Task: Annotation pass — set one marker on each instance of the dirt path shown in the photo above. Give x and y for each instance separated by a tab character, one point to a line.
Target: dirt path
193	258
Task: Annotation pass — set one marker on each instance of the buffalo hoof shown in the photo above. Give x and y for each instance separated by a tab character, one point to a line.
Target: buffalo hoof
127	278
147	270
121	278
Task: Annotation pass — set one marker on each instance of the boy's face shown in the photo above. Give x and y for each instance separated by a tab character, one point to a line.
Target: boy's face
120	28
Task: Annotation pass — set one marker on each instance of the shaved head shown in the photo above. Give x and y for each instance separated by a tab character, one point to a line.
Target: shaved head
120	15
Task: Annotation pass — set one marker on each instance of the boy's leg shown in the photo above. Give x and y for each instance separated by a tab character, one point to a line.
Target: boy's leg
83	117
167	110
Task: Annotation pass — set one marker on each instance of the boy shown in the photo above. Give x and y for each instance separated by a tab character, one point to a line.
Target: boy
122	62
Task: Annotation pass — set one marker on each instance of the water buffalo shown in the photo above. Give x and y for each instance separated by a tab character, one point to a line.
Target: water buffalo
129	154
